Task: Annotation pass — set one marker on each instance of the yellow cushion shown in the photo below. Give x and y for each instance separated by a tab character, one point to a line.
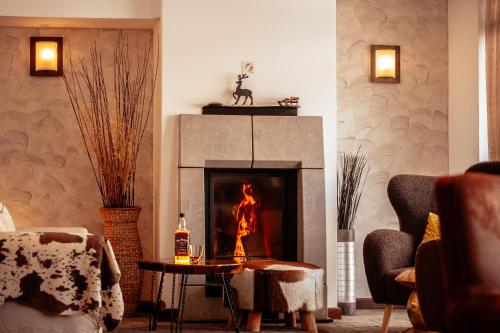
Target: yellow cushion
407	278
432	230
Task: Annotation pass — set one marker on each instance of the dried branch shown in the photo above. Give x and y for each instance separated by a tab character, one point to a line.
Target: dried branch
349	179
112	134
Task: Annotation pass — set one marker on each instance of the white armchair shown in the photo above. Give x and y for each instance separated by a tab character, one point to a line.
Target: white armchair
7	225
21	318
69	230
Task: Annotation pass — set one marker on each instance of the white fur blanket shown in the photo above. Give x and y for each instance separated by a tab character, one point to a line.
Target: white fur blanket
63	273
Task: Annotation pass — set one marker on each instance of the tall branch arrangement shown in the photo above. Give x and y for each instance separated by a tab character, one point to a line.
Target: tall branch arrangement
350	183
112	128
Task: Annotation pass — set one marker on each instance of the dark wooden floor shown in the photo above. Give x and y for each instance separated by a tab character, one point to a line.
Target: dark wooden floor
367	321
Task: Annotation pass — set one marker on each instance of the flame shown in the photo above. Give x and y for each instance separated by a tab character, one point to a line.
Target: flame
245	214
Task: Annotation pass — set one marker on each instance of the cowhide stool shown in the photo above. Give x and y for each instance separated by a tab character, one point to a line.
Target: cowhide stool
279	286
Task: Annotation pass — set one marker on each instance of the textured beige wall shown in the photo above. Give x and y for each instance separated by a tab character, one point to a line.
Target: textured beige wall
403	128
468	124
45	175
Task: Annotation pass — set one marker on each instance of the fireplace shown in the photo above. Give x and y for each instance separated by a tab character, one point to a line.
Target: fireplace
268	166
251	213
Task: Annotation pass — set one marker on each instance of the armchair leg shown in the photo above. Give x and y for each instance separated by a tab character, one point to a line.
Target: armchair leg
387	318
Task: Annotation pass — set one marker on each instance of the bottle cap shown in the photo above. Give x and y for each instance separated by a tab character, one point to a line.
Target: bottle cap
181	215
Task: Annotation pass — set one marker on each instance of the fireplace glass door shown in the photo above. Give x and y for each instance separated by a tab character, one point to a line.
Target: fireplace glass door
251	213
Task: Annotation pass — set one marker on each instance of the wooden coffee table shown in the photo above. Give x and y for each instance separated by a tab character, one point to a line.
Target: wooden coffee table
223	268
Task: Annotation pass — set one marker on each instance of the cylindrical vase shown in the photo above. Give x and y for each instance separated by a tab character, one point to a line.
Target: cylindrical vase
346	283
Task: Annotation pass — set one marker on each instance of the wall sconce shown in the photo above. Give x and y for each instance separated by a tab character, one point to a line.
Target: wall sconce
385	64
46	56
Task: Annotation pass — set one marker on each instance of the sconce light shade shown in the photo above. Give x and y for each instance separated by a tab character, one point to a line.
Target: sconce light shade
46	56
385	64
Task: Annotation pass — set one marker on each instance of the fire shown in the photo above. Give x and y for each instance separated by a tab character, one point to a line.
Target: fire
245	214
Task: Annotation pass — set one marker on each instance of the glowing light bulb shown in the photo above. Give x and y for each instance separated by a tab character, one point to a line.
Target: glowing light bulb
47	54
386	63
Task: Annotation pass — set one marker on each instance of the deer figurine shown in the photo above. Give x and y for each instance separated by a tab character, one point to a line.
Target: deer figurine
242	92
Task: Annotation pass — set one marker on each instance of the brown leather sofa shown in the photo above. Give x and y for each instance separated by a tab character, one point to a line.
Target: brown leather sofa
430	285
469	208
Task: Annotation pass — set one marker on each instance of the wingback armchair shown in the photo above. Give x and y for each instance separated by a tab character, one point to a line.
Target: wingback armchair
470	225
387	253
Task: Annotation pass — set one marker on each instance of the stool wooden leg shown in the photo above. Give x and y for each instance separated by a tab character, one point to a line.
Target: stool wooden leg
387	318
254	319
308	321
230	323
290	320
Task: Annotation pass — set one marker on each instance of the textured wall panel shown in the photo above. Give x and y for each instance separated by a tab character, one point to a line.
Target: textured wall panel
403	128
45	175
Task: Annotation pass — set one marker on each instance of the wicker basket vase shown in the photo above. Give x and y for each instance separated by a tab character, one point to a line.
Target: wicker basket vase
120	227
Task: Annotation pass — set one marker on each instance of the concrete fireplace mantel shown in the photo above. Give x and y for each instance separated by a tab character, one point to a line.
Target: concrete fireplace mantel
258	142
209	141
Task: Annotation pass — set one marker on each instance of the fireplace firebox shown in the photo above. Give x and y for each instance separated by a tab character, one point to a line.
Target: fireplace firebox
251	213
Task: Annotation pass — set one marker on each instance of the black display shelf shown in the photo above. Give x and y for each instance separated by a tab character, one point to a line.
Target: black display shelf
250	110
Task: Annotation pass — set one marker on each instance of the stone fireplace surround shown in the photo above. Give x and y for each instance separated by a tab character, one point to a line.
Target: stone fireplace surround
258	142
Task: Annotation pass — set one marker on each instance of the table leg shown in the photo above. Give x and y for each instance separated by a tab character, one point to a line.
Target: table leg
158	301
152	308
182	302
172	304
228	292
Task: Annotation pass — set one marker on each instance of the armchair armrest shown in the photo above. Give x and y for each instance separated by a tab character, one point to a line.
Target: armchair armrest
69	230
430	284
385	250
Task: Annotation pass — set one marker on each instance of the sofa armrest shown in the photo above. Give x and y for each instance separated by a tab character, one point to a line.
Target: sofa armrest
430	284
474	312
383	251
69	230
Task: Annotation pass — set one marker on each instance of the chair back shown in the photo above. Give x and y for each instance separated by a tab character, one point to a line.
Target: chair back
491	167
412	197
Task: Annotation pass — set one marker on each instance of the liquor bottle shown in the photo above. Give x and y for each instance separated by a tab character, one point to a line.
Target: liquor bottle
182	242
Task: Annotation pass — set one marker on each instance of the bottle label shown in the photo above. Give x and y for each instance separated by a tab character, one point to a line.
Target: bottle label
181	245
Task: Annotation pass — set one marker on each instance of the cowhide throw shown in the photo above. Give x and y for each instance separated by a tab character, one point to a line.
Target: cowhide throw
65	274
279	286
